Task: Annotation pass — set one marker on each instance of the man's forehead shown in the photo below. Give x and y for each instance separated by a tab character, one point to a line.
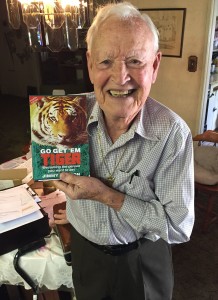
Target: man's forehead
102	53
122	50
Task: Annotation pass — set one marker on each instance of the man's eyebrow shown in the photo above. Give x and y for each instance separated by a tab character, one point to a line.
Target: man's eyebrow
136	56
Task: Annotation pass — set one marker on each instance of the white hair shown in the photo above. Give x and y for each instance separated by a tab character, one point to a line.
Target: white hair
123	11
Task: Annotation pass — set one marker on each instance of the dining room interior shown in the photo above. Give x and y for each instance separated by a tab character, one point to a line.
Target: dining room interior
26	71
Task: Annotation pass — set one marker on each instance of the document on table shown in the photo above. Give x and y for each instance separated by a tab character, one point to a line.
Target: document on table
18	207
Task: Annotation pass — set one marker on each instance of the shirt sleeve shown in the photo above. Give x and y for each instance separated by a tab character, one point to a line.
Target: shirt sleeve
170	214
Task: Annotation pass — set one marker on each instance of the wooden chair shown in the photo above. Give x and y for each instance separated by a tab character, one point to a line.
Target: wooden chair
211	191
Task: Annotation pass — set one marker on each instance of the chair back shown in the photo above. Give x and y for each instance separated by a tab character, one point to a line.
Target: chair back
206	158
208	136
206	175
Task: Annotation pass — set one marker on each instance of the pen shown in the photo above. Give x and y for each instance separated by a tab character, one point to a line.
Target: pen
136	173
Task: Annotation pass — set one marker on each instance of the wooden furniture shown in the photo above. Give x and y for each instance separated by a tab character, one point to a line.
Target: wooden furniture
65	70
211	191
208	136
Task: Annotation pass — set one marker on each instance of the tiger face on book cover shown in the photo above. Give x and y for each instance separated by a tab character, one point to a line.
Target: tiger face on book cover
59	138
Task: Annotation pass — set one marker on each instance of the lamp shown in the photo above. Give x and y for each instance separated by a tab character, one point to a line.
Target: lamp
55	24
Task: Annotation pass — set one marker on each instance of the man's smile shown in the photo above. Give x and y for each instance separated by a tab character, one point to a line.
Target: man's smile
116	93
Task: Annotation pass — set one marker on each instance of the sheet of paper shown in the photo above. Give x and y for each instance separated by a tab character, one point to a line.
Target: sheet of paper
20	221
16	203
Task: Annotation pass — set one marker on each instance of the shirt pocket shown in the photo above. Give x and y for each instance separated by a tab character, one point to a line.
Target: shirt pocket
135	185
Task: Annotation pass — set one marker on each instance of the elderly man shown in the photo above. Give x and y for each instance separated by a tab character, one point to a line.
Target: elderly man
139	197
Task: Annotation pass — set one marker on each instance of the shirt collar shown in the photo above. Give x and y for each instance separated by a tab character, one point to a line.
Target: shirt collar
142	124
94	116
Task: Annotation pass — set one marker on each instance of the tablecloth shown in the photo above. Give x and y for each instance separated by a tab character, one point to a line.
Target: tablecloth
46	266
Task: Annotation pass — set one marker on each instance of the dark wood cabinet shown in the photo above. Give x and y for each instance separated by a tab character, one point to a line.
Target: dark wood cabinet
64	70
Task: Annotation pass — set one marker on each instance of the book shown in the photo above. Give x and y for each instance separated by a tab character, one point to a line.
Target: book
59	138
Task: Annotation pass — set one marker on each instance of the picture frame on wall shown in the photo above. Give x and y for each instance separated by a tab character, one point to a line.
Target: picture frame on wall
170	23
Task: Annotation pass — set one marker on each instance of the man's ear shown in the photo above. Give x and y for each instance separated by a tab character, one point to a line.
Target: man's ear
156	65
89	65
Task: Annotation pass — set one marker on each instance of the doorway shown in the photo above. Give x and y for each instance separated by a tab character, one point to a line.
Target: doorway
209	106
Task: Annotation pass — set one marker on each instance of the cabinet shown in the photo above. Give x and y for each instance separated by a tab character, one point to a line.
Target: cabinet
64	70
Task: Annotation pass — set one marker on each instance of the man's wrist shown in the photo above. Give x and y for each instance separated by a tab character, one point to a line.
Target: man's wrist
113	199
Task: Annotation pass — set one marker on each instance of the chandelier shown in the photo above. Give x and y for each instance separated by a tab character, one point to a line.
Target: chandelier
54	24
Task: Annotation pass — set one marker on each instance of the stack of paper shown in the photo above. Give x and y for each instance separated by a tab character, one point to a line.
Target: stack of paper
18	206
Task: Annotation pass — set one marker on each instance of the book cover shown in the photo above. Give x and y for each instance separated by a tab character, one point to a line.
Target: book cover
59	139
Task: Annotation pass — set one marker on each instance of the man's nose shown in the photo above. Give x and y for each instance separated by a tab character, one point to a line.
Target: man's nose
120	73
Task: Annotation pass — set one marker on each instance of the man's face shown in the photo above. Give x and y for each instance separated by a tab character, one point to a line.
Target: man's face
122	66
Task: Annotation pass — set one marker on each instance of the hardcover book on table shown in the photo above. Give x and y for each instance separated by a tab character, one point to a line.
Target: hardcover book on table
59	139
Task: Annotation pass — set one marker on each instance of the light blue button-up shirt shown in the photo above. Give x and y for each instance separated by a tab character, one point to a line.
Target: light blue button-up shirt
155	173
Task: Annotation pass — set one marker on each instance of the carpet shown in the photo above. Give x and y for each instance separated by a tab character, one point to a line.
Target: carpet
196	263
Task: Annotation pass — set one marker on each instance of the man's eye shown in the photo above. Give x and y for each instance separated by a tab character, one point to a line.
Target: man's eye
134	62
104	63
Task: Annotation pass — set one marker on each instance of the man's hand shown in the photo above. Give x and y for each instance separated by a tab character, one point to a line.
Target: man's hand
90	188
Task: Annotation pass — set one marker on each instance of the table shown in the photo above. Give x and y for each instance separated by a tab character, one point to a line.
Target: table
46	266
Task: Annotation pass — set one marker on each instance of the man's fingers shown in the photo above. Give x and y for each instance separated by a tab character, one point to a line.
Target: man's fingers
60	216
64	221
62	211
61	185
68	177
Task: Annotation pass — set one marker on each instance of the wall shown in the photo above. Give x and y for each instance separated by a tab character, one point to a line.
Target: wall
176	87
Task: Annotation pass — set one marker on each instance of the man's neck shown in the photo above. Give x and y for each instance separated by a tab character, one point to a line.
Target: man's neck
115	128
